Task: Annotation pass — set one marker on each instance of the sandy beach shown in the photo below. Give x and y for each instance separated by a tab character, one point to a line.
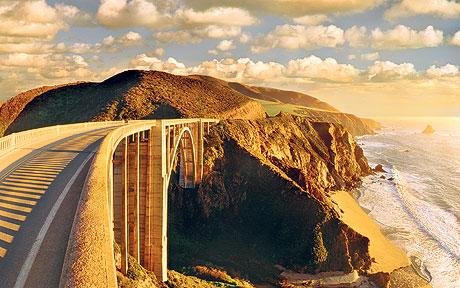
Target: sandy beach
387	256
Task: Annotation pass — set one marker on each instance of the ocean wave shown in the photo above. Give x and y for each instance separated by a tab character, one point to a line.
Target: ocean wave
438	224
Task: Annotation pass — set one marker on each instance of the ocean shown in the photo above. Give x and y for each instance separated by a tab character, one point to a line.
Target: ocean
418	203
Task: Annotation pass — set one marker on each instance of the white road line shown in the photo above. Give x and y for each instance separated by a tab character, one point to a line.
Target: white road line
24	273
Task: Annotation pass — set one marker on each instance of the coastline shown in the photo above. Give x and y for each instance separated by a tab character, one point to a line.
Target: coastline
389	258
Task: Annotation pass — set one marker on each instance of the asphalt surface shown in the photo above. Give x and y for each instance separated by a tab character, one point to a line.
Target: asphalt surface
39	194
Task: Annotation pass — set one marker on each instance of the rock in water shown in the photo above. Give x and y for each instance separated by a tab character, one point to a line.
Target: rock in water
428	130
379	168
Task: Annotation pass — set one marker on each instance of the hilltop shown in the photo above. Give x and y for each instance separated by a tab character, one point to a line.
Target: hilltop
133	94
138	94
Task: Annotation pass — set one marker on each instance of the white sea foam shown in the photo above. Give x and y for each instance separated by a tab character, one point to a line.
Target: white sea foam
419	208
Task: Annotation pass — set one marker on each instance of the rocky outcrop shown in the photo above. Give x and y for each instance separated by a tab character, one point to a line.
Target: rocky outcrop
428	130
266	185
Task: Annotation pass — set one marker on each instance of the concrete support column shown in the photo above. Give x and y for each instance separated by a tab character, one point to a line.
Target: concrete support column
120	201
144	203
133	196
159	250
199	148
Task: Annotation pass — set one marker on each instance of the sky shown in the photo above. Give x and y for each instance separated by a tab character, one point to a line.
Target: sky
369	57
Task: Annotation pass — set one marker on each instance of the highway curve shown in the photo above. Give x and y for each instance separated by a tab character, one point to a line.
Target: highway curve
39	194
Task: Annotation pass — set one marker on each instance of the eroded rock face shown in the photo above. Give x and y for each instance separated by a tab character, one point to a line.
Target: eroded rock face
269	178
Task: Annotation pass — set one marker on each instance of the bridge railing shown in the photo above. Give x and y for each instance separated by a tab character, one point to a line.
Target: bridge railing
89	259
17	140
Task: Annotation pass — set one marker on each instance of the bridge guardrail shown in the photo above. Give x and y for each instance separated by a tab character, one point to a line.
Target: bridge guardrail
89	259
17	140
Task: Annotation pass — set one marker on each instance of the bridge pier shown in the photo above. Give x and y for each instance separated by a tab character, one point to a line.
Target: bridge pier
142	166
158	256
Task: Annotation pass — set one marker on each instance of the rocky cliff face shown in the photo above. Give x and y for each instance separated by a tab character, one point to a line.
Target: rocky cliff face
266	187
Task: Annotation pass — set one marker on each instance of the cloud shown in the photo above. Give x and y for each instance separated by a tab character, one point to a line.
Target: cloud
108	44
171	65
311	19
225	45
315	68
370	56
197	35
49	66
294	37
303	70
403	37
293	8
37	19
387	70
356	36
181	25
124	13
455	40
225	16
440	8
446	70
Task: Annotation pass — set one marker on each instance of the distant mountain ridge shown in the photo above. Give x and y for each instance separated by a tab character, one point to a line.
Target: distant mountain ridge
283	96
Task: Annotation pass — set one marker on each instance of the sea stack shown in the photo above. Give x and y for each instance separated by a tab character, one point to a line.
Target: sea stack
428	130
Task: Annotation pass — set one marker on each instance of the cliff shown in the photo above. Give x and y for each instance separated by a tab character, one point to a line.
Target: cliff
296	103
131	94
265	193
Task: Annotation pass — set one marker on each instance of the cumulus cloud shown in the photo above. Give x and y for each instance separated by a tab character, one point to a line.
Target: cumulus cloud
311	19
315	68
446	70
294	37
357	36
225	45
196	35
226	16
295	8
370	56
403	37
246	70
171	65
181	25
441	8
124	13
37	19
50	66
455	40
387	70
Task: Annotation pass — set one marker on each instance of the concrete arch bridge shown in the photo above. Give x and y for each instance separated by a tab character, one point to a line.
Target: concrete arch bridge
69	192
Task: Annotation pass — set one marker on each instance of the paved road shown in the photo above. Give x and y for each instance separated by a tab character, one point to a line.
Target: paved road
39	194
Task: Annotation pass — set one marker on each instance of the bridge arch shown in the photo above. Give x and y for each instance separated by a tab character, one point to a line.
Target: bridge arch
142	164
125	198
185	150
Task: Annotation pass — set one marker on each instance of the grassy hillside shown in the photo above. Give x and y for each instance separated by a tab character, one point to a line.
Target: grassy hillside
131	94
282	96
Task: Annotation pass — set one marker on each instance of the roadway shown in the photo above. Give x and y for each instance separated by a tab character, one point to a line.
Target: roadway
40	187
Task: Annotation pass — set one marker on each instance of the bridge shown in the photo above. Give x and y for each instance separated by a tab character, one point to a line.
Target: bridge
68	193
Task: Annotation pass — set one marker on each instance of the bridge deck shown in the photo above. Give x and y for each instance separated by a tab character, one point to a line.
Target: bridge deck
40	185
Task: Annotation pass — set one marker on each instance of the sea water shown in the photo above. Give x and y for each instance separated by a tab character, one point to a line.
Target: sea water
418	202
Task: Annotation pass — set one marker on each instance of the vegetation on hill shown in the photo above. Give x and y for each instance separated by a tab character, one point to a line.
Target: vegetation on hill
282	96
131	94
